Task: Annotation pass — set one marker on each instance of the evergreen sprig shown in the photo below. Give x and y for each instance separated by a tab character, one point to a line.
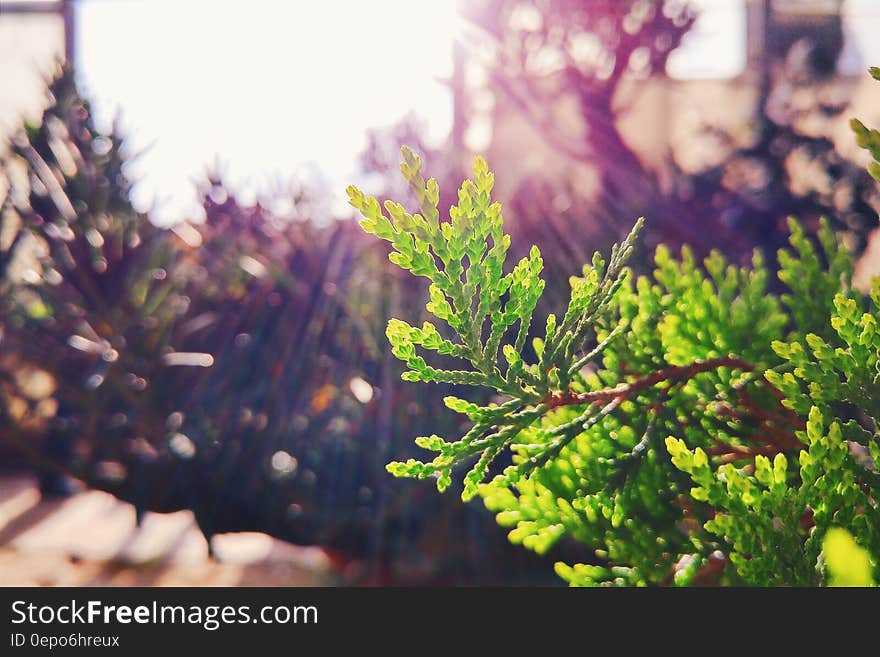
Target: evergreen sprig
698	440
490	313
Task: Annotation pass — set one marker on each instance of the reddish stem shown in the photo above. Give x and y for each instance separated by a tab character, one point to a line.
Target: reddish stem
771	431
623	391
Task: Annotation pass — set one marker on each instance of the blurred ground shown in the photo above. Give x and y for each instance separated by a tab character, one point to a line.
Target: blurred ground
90	539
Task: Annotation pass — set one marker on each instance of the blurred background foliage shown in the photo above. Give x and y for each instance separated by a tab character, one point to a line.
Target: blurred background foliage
237	366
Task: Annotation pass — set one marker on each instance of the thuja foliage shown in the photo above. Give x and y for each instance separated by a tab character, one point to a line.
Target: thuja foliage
869	138
684	426
848	564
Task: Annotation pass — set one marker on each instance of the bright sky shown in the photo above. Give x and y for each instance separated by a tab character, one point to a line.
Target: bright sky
275	88
272	88
716	46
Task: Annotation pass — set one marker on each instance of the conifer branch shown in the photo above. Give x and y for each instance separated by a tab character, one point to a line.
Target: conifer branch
670	461
626	390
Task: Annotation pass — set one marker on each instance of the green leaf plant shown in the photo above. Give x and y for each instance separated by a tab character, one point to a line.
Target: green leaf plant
869	138
684	426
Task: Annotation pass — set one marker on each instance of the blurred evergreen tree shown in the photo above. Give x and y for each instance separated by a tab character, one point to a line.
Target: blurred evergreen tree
235	368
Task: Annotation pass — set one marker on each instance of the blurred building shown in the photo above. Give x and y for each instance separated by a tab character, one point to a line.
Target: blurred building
717	79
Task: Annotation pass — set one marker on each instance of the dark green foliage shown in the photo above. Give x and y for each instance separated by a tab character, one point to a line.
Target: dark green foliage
678	448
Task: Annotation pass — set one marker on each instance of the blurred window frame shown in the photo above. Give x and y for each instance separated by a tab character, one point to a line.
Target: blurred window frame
65	9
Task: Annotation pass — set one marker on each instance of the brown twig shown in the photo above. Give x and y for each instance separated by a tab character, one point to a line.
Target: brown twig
625	390
776	430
